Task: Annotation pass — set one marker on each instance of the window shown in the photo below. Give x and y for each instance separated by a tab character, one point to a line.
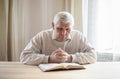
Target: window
101	26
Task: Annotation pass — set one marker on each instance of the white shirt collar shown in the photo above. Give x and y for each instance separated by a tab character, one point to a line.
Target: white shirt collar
54	38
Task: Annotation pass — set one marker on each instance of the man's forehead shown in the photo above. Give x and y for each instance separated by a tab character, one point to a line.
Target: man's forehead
62	24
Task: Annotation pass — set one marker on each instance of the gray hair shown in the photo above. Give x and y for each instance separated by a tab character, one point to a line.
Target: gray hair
64	17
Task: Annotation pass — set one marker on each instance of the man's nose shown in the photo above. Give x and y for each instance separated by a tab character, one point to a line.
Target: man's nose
63	32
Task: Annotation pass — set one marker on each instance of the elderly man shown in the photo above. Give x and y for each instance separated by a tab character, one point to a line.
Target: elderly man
59	45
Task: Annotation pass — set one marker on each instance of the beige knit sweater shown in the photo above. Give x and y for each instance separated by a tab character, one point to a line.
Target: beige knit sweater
43	44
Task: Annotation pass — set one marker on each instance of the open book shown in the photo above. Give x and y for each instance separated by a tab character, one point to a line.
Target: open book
58	66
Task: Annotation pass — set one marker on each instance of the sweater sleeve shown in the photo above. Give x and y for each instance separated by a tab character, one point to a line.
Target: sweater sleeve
86	54
32	53
84	58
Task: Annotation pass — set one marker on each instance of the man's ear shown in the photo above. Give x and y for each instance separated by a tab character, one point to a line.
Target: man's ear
52	25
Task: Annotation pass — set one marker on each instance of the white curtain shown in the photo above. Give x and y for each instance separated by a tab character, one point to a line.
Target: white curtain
11	29
20	20
101	25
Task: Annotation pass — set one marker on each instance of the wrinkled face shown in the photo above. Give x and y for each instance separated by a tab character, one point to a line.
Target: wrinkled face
62	31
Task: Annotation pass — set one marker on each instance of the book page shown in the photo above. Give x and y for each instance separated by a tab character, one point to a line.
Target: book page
72	65
51	66
54	66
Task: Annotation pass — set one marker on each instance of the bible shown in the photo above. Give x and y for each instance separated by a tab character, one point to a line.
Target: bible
60	66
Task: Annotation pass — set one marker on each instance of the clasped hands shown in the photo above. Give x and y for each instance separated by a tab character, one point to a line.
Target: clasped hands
60	56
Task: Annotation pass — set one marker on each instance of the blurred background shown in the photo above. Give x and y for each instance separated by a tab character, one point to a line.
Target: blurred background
98	20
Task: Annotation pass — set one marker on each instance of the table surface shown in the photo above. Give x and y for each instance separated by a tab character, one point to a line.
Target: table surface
98	70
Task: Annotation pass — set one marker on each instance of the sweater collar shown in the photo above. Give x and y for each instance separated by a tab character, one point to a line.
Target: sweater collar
54	38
